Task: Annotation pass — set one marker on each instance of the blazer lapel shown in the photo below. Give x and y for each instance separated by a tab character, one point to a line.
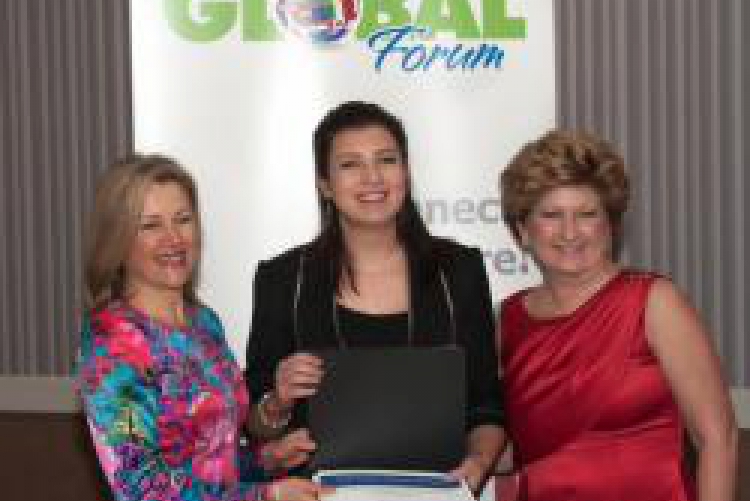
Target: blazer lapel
315	309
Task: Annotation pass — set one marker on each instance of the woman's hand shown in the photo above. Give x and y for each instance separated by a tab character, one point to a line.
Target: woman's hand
297	376
296	489
484	445
472	471
290	451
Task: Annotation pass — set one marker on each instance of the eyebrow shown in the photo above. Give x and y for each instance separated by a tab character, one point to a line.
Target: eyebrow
359	154
157	216
389	150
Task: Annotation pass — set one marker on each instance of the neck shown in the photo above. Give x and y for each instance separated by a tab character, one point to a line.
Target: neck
168	306
372	246
567	292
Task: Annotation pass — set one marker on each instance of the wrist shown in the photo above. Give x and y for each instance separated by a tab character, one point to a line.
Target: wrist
276	405
271	492
272	413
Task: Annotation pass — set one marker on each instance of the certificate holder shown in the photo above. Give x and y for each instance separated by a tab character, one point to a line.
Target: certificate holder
390	409
378	485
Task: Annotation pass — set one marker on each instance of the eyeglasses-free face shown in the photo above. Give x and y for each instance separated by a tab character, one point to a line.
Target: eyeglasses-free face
165	250
568	231
367	179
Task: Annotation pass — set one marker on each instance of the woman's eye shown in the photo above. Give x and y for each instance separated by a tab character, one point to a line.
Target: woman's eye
590	213
149	225
184	219
349	164
391	159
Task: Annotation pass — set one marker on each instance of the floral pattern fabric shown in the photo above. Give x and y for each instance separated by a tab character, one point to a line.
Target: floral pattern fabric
165	406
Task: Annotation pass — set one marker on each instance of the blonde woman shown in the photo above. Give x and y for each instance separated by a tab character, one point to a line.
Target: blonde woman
163	396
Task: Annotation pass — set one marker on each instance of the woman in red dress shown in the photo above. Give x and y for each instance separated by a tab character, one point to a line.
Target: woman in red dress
604	368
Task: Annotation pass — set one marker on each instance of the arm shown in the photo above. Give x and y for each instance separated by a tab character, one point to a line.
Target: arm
486	438
484	445
692	369
123	410
269	342
276	377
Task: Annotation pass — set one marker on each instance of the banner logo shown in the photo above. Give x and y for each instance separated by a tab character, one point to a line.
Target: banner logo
448	34
318	21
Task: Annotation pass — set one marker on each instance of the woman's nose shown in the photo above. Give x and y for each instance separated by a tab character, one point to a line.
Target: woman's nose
569	228
173	233
373	172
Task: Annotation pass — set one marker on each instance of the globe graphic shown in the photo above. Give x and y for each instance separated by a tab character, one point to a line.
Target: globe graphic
318	21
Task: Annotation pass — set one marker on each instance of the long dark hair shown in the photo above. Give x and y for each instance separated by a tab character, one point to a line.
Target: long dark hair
411	229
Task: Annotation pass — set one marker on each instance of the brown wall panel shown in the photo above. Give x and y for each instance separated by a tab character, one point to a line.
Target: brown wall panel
49	457
52	459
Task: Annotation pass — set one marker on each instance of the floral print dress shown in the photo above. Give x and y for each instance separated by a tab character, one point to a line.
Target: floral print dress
164	406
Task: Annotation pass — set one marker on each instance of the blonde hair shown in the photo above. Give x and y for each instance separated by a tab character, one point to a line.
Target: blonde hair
564	158
113	224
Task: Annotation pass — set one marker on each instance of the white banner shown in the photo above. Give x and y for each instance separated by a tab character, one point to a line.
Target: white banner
234	90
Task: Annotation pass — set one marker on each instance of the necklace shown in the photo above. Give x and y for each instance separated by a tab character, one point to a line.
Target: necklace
583	294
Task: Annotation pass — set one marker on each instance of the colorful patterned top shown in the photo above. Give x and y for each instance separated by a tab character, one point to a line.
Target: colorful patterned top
164	405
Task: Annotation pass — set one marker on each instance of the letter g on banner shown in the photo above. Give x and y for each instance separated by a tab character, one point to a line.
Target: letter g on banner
218	19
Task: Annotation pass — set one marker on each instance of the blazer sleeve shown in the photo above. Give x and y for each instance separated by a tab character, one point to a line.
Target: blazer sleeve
476	328
271	329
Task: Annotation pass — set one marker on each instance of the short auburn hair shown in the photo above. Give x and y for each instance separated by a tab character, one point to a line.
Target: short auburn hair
564	158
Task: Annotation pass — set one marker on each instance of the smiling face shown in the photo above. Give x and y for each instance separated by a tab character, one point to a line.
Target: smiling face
166	247
569	232
367	177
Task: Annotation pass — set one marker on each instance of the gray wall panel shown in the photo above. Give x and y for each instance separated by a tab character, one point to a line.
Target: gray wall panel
665	80
66	114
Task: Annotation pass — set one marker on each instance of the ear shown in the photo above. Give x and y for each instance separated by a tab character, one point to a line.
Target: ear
324	186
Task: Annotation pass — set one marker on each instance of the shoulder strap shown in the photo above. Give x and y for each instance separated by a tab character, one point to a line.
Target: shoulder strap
451	310
295	307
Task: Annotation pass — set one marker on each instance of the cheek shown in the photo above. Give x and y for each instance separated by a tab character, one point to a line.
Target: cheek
338	185
398	179
138	252
600	229
136	263
537	229
191	235
195	244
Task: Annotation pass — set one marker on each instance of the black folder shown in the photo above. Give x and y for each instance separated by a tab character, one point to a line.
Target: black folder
390	408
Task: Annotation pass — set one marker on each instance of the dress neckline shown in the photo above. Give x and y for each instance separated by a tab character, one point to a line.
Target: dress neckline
366	314
584	305
190	313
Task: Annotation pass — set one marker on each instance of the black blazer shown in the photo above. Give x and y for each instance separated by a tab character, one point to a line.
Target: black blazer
274	335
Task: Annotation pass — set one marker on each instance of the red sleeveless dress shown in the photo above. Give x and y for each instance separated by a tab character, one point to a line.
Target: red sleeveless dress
589	410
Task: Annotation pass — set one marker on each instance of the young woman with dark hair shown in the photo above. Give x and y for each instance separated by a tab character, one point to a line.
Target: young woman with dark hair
373	277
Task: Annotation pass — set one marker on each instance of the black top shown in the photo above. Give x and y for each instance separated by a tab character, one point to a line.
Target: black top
368	330
276	331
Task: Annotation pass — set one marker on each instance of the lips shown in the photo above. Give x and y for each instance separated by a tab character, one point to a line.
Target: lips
175	258
372	197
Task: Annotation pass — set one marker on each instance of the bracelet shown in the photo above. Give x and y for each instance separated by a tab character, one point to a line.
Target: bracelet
263	417
272	492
